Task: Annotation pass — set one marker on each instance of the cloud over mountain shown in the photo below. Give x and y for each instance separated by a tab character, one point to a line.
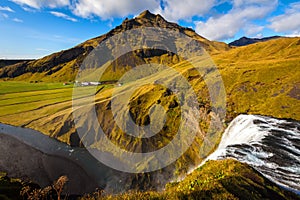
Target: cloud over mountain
106	9
239	17
184	9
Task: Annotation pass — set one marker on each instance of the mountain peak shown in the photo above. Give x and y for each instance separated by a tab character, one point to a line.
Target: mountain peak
146	14
147	19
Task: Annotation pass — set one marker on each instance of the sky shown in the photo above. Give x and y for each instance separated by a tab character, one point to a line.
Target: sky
35	28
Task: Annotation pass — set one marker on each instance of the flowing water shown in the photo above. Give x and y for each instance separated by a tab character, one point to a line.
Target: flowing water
271	146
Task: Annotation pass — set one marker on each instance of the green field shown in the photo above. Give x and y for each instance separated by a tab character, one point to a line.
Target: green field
7	87
27	104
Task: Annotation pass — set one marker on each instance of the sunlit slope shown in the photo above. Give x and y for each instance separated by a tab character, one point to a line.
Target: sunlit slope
263	78
276	49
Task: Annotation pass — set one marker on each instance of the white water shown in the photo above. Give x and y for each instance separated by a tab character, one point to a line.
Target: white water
271	146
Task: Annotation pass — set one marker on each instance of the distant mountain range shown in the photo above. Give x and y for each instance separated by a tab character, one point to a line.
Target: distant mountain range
243	41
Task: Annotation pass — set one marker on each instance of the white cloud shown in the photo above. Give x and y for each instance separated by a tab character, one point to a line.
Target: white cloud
239	17
259	35
217	27
252	29
185	9
107	9
294	34
42	3
28	9
289	22
6	8
3	15
64	16
245	3
17	20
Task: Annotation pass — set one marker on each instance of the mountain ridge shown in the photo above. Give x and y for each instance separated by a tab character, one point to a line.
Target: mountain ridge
62	66
244	41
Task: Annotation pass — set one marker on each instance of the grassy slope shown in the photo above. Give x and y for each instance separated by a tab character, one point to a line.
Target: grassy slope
225	179
263	78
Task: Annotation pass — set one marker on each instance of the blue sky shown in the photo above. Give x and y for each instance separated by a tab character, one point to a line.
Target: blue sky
35	28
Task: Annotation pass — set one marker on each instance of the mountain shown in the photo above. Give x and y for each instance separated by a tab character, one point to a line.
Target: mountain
243	41
63	66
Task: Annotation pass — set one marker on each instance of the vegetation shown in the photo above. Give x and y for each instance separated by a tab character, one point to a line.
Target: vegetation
16	189
7	87
9	188
224	179
262	78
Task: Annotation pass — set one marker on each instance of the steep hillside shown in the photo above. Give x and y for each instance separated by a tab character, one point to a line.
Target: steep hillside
263	78
275	49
